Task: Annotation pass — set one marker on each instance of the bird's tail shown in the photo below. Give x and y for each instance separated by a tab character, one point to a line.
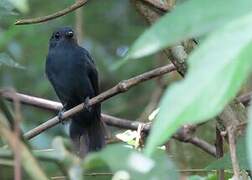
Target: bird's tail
87	138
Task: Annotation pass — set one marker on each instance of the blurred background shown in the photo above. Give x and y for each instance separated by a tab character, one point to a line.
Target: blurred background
106	29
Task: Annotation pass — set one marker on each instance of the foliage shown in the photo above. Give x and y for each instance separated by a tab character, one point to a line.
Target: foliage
217	69
205	86
133	163
191	19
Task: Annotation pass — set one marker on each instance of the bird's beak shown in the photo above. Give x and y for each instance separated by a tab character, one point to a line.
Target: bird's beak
69	34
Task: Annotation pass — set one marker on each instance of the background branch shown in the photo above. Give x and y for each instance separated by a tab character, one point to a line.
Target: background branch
63	12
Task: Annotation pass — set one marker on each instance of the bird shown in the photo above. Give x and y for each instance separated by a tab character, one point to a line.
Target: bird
72	72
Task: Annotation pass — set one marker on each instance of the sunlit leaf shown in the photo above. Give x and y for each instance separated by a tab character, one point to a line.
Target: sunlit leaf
190	19
216	72
128	136
129	162
8	61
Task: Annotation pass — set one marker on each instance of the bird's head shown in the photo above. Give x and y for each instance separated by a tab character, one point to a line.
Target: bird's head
63	36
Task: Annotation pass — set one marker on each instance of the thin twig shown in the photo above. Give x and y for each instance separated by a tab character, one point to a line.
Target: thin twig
205	146
17	150
232	148
219	152
139	137
63	12
110	174
194	170
79	24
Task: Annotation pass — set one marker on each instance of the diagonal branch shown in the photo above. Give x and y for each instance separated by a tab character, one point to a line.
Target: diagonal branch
182	135
55	15
56	106
119	88
185	134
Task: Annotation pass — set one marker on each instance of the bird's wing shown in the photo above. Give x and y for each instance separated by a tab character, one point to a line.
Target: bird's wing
91	71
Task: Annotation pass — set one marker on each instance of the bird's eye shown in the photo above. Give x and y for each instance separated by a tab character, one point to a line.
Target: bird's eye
69	34
57	35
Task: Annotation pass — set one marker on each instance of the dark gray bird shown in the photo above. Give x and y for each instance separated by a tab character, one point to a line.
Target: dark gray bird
73	74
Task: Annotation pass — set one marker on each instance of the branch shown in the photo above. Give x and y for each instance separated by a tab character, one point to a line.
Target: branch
56	106
186	134
119	88
219	152
232	148
183	135
205	146
63	12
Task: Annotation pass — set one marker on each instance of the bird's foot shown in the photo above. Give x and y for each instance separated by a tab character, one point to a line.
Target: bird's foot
86	105
60	114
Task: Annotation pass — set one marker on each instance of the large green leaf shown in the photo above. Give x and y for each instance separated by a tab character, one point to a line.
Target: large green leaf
226	163
134	164
217	70
190	19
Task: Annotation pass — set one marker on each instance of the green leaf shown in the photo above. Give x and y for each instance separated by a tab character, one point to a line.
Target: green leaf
132	164
21	5
8	61
216	72
225	161
190	19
